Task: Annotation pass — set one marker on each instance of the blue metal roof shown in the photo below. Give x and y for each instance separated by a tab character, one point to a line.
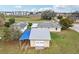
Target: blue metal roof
25	35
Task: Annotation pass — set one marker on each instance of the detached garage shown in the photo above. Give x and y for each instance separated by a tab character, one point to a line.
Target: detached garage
39	37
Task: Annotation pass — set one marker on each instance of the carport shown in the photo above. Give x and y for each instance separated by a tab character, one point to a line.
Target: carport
24	41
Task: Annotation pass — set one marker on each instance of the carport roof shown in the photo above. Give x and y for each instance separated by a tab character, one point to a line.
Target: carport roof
25	35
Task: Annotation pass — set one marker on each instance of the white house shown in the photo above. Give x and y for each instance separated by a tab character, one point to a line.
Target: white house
39	37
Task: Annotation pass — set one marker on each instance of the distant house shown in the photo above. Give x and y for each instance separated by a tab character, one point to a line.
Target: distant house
52	26
36	37
75	18
15	13
21	26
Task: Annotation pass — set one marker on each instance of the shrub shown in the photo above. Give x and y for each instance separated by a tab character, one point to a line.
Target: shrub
12	20
7	24
2	19
66	23
48	14
10	34
30	24
60	17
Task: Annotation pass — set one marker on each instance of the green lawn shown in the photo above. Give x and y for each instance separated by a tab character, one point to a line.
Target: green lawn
26	19
66	41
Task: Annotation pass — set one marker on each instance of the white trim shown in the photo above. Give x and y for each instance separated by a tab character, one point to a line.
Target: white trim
34	25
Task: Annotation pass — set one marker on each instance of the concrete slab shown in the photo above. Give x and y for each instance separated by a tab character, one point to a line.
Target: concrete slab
75	27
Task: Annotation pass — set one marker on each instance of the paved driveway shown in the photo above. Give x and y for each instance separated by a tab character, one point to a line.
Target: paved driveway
75	27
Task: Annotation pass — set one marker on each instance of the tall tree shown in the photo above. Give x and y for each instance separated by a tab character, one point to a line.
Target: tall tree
12	20
48	14
11	34
2	19
7	34
66	23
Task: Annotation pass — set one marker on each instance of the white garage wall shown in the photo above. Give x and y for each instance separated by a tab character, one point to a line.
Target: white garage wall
33	43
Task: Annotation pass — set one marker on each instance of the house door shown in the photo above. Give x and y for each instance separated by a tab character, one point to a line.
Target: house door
39	44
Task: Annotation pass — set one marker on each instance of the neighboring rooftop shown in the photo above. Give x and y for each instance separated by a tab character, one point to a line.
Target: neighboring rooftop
39	34
20	24
49	25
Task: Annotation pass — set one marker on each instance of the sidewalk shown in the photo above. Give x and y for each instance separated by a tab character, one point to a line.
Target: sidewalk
75	27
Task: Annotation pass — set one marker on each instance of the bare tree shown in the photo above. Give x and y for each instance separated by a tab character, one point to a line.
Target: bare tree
2	19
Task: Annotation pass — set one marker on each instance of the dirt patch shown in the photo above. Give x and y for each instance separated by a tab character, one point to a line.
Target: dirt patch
10	43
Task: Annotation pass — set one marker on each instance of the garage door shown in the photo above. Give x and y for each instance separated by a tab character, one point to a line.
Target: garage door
39	43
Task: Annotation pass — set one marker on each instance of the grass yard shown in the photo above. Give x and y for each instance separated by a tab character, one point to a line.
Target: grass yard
66	41
26	19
